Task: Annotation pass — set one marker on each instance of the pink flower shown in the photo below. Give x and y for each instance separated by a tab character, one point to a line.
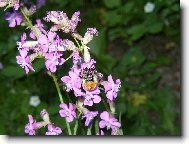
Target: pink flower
66	44
52	130
91	97
40	3
108	121
48	42
53	59
101	133
115	131
61	21
16	5
14	18
23	40
74	20
76	58
45	116
31	126
73	82
111	88
89	35
88	65
24	61
68	112
89	117
39	28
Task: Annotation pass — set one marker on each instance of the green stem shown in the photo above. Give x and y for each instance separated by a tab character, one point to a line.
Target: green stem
68	57
77	43
68	127
61	100
52	75
80	47
76	124
68	97
57	87
105	104
29	22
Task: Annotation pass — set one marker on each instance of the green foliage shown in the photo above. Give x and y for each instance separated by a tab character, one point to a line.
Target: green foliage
131	46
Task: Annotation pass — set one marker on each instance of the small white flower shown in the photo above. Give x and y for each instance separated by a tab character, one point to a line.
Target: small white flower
34	101
149	7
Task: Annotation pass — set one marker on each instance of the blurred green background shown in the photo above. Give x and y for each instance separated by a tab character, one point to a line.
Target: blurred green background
137	43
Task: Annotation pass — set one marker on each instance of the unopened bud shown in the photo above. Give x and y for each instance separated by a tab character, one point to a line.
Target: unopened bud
30	44
45	116
87	56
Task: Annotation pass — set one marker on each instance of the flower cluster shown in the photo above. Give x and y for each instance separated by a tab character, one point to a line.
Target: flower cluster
10	3
86	83
32	126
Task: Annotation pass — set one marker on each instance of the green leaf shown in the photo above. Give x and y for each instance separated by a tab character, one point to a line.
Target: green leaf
75	127
155	27
148	67
112	3
112	18
98	44
106	62
128	7
96	127
133	58
120	108
7	46
89	130
136	31
13	71
166	108
39	64
151	80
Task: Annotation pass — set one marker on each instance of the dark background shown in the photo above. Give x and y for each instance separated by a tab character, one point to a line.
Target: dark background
142	49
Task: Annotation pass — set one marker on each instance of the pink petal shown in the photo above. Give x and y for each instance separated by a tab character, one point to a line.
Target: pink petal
51	35
64	106
88	102
104	115
70	118
102	124
110	79
71	107
65	79
42	39
12	23
109	95
96	99
62	114
53	68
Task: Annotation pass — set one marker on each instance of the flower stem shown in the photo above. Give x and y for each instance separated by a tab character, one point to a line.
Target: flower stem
76	124
77	43
57	87
80	47
52	75
68	127
61	99
29	22
69	57
105	104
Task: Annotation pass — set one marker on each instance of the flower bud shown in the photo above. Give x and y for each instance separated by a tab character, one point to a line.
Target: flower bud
87	56
28	44
45	116
40	124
